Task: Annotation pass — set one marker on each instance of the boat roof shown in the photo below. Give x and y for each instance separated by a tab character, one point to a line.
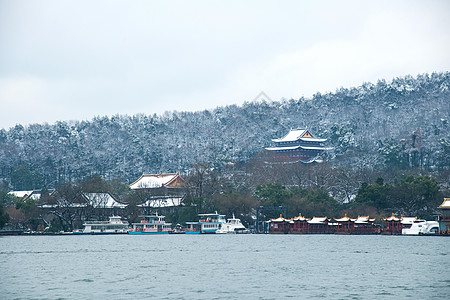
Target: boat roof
392	218
279	219
408	220
210	215
363	220
300	218
445	204
343	219
318	220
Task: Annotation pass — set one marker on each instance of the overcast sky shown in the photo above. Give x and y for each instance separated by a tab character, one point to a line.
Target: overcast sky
73	60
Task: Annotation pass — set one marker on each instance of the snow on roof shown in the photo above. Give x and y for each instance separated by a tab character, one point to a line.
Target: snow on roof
279	219
292	136
149	181
408	220
392	218
298	147
35	196
162	202
318	220
299	218
446	203
343	219
210	215
103	200
363	220
313	139
20	194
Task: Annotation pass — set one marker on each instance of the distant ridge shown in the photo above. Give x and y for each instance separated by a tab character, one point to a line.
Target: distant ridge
404	121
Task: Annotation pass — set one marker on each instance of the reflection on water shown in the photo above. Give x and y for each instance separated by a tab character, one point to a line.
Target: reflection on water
224	266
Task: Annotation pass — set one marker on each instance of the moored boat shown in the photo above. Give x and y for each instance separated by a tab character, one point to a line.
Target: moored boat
233	225
115	225
208	223
151	224
422	227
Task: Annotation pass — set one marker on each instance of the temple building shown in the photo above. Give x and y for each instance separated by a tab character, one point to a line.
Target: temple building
393	225
279	225
298	145
162	190
154	181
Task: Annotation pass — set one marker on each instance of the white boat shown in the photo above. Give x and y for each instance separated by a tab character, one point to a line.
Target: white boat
153	224
115	225
209	223
233	225
421	227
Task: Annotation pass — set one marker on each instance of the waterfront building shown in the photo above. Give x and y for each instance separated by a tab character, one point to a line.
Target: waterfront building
156	181
300	224
164	190
279	225
444	217
298	145
319	225
345	224
364	224
393	225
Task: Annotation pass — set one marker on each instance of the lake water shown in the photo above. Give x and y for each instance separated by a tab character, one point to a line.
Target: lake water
224	267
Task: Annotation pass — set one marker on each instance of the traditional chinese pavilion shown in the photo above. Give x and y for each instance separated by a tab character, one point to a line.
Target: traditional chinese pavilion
444	217
319	225
393	225
298	146
345	224
279	225
364	225
300	224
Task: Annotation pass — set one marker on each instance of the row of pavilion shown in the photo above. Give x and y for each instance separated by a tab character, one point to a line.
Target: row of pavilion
344	225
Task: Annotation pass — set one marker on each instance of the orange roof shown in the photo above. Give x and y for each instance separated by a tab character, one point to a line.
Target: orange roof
279	219
392	218
343	219
299	218
445	204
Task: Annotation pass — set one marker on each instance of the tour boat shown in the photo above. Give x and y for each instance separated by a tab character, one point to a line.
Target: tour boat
419	227
208	223
178	229
115	225
152	224
215	223
233	225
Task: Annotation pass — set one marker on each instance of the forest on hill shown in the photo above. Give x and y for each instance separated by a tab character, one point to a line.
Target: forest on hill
385	136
